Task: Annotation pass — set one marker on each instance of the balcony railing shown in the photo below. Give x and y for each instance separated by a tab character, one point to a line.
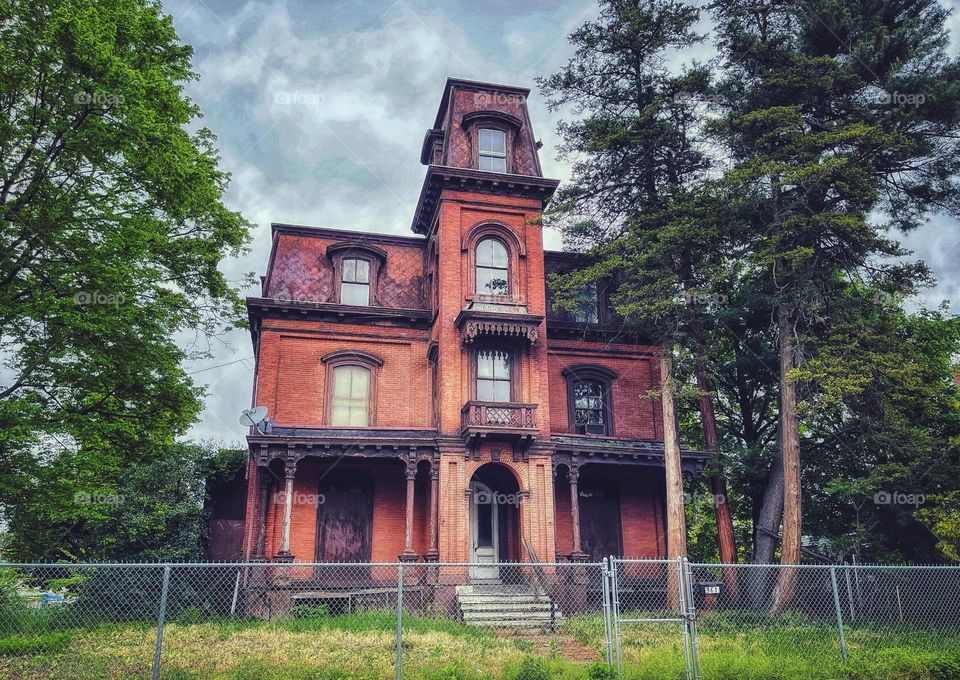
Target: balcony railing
481	418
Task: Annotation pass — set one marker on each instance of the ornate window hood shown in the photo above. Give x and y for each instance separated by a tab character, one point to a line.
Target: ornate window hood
497	320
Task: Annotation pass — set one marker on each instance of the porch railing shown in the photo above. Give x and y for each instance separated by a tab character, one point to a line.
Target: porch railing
542	585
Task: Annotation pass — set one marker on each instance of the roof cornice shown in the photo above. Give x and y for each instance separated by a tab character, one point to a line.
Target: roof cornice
440	177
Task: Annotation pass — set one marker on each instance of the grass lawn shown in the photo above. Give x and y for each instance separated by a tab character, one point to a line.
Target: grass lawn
361	647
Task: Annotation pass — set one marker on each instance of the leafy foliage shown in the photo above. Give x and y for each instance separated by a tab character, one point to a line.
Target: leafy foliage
112	227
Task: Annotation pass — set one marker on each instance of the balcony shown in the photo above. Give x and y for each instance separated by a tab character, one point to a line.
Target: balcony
480	419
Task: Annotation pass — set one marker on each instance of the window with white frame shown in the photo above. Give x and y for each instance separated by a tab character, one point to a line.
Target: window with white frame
492	146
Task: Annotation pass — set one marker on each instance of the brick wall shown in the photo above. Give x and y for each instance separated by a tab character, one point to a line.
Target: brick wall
291	378
636	416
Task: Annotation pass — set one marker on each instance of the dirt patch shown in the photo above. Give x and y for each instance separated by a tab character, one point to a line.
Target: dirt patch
565	646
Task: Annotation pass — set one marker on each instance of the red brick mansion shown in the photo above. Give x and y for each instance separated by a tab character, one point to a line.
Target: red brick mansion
426	402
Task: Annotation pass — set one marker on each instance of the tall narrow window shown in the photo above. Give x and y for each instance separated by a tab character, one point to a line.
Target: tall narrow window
492	150
493	268
350	396
355	282
586	301
589	407
493	375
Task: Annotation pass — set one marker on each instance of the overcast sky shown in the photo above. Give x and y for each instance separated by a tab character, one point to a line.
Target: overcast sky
320	109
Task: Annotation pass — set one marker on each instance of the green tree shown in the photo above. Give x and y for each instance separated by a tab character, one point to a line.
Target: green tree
156	512
842	120
112	230
633	200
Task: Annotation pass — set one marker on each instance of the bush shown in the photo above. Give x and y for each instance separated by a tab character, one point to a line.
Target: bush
39	644
532	668
310	611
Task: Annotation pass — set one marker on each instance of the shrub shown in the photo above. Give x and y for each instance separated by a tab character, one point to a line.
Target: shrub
532	668
310	611
38	644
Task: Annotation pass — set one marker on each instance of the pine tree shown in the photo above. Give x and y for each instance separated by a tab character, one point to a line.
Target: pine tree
842	120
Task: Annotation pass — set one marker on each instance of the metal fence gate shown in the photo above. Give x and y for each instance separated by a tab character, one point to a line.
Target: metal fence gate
657	593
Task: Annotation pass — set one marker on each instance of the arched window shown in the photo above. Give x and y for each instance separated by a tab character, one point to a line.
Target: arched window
492	267
589	397
491	150
587	308
589	407
350	399
351	381
493	375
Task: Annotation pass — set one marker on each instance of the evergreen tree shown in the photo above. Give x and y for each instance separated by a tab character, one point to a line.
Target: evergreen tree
634	199
842	121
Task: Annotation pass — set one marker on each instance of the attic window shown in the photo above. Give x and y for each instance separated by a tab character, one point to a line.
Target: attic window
492	146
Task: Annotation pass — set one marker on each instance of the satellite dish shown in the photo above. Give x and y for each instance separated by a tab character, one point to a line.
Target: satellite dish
251	417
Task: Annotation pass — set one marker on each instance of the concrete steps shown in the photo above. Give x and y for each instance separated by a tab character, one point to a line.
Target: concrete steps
506	606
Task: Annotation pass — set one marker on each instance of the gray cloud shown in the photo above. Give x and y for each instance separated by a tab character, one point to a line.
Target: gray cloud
320	109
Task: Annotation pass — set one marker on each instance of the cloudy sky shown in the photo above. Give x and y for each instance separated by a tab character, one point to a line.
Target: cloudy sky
320	109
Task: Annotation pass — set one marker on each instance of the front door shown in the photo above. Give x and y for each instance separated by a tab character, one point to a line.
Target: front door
600	521
484	533
345	518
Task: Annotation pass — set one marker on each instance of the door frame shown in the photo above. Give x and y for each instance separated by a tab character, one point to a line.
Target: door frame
484	573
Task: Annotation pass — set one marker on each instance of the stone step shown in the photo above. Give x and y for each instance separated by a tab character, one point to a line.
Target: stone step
503	599
495	589
509	616
501	606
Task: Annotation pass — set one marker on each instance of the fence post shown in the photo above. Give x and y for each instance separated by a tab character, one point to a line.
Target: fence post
607	625
399	621
160	619
615	602
236	593
691	618
836	606
846	575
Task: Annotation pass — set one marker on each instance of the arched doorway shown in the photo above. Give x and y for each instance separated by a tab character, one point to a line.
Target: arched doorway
494	521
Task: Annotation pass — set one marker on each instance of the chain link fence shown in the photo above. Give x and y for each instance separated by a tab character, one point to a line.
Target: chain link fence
526	621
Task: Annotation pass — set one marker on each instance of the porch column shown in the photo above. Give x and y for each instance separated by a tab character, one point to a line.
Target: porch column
408	554
573	475
289	470
433	554
265	484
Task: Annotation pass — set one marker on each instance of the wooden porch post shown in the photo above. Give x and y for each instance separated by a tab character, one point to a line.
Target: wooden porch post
265	484
408	554
289	469
433	554
573	476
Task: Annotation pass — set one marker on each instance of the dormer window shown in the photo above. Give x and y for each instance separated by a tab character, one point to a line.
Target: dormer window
493	268
355	284
356	270
492	146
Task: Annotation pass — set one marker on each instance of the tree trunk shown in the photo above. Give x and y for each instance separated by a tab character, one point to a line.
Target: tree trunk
765	531
790	455
718	485
676	521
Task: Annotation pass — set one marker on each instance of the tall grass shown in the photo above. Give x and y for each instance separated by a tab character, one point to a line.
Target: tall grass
361	646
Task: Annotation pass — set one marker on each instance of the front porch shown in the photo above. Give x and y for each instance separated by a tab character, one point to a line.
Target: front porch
355	504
